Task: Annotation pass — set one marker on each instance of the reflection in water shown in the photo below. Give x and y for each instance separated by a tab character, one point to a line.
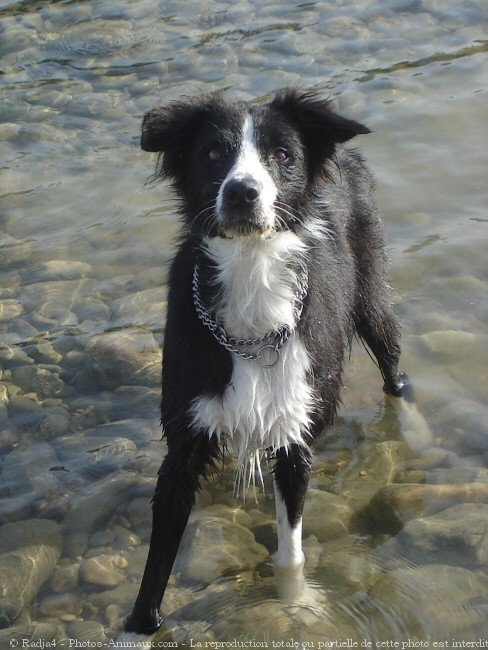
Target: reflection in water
396	523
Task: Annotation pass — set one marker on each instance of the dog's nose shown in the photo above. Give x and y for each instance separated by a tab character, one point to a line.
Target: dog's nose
241	193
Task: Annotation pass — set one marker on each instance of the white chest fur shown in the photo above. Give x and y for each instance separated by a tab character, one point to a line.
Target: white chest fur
261	408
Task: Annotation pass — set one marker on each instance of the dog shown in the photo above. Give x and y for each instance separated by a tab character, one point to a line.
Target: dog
281	261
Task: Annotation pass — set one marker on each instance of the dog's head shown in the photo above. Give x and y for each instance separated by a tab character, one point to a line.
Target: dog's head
244	170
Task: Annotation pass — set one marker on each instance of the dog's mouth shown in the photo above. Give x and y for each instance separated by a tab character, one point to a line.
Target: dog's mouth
245	229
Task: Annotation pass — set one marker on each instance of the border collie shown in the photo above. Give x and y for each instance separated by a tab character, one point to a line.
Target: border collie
281	261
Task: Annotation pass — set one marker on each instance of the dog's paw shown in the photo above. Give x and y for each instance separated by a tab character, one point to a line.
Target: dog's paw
143	625
402	388
134	640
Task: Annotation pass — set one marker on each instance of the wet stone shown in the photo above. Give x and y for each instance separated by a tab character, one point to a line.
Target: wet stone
126	358
436	597
43	352
449	343
101	570
467	422
347	566
457	475
38	380
125	537
40	633
123	595
374	467
139	513
212	546
235	515
13	251
266	620
26	469
136	401
14	508
65	578
60	270
11	356
31	550
102	538
326	515
457	535
87	631
59	605
93	510
394	505
94	455
10	309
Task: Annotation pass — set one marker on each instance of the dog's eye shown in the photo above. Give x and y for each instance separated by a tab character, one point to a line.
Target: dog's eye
280	154
215	154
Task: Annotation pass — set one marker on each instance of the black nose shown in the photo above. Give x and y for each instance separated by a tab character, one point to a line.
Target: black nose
241	193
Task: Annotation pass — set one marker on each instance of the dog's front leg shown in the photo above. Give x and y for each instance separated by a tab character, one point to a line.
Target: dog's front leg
291	475
178	480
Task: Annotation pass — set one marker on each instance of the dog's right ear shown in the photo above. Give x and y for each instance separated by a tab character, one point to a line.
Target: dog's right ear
170	130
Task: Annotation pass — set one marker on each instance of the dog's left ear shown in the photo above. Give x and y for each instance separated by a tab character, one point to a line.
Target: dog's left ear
320	128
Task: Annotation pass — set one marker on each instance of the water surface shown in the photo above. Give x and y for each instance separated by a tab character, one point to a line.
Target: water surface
396	523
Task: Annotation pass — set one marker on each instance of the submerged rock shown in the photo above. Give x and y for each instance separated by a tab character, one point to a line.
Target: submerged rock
393	505
212	546
93	510
436	597
375	466
13	251
59	605
31	550
38	380
326	515
10	309
26	470
102	570
126	357
458	535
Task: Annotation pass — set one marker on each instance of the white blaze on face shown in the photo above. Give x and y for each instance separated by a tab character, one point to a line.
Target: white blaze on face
250	165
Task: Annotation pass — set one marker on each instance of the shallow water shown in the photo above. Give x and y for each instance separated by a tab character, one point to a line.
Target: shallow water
85	239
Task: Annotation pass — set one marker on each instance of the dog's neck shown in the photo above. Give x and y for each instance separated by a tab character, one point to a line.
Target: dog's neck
257	281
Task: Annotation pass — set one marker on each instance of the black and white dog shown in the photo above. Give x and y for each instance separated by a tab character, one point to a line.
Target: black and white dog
281	261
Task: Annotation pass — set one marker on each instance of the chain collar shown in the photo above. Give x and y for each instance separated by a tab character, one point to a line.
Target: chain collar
268	346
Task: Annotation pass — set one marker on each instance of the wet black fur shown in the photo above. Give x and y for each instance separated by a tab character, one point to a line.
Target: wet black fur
347	288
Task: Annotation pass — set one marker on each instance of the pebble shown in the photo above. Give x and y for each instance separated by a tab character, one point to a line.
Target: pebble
60	605
101	570
30	551
126	538
65	578
87	632
38	380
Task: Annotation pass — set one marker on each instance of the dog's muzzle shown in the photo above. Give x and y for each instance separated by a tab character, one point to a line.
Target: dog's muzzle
242	212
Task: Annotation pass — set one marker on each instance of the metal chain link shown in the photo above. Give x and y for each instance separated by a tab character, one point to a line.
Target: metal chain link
272	341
